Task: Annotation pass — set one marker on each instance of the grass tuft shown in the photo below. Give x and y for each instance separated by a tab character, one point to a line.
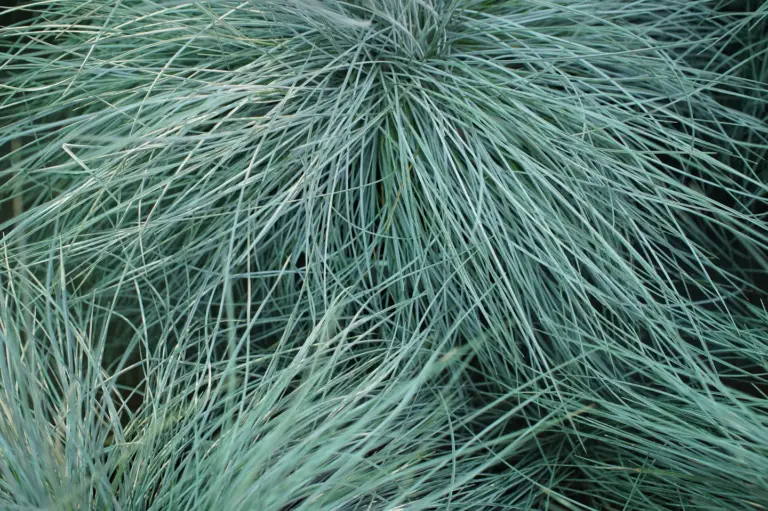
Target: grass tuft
384	254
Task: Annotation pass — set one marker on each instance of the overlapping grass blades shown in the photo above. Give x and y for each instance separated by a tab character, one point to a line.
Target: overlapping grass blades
384	253
338	418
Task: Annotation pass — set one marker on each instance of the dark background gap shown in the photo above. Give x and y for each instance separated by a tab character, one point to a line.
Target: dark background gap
8	17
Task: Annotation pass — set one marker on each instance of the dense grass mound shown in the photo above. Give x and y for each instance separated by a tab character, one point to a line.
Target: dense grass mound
384	254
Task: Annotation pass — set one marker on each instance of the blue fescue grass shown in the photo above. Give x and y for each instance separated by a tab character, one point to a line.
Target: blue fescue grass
384	254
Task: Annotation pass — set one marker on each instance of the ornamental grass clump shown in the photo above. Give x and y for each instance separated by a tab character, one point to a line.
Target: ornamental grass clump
337	418
384	254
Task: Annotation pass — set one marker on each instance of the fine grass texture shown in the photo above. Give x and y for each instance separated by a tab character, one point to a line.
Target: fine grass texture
384	254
